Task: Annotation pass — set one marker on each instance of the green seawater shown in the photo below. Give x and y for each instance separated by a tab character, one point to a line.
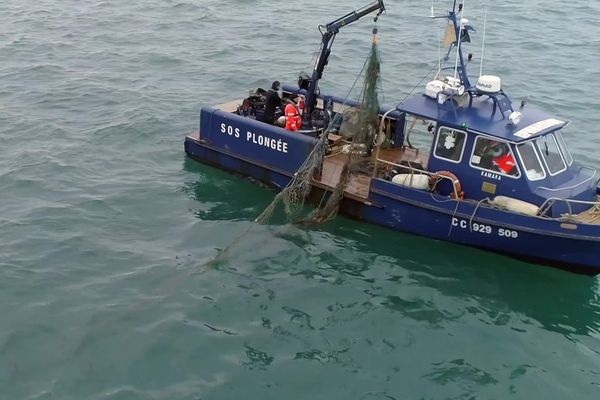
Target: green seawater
107	230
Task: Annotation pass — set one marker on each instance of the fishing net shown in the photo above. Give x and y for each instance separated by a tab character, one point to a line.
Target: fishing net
362	140
294	195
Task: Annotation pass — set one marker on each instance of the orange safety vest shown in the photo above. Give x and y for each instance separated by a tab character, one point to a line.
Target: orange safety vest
293	122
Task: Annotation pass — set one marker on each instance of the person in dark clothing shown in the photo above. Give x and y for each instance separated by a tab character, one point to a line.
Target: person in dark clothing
271	103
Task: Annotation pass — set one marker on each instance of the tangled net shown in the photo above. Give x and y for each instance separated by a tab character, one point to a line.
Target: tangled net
362	141
294	195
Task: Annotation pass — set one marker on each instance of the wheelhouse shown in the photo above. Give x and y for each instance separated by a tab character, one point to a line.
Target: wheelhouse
528	159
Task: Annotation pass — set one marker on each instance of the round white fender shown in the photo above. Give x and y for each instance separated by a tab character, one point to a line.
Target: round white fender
415	181
515	205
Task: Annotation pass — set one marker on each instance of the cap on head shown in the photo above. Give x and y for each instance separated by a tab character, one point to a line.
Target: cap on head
275	85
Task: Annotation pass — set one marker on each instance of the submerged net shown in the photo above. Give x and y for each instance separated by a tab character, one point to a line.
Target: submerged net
295	193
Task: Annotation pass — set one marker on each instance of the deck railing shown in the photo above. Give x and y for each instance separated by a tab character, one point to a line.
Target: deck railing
546	205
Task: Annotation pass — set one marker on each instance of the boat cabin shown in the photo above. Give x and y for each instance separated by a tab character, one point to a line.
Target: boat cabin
524	157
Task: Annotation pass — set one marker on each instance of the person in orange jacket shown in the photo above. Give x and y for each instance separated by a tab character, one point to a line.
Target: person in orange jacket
502	158
293	121
506	164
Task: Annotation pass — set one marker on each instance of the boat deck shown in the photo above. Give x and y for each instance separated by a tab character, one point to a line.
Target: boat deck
334	163
358	187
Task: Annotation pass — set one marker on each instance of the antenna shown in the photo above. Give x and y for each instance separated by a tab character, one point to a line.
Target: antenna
439	73
432	15
483	41
458	37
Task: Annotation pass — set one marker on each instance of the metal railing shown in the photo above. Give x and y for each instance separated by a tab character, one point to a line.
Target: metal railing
549	202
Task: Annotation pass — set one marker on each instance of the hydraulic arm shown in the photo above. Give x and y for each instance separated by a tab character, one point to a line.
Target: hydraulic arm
328	33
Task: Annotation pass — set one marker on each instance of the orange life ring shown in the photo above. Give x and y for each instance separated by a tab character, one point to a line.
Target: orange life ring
435	178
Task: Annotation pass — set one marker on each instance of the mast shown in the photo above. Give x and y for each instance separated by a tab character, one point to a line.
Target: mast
458	28
460	67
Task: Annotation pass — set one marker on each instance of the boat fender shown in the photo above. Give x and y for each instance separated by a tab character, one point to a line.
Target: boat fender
439	175
515	205
415	181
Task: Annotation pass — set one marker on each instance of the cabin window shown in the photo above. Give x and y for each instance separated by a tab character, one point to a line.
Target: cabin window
531	161
494	156
551	154
419	132
563	147
450	144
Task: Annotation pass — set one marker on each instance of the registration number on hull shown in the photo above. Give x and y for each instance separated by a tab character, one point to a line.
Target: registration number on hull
484	229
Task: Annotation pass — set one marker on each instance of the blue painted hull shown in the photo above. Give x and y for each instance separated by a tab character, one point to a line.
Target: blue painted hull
526	237
420	212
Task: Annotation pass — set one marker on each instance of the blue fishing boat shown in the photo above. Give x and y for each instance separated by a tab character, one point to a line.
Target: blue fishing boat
458	161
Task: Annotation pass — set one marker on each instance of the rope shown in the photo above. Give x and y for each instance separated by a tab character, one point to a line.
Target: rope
475	211
416	86
453	216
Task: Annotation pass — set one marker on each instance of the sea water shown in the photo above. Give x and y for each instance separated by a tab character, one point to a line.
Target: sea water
107	290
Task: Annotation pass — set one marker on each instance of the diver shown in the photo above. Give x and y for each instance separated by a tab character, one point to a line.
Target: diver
272	102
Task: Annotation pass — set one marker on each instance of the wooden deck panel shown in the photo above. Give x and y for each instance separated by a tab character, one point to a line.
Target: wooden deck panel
359	183
332	170
404	154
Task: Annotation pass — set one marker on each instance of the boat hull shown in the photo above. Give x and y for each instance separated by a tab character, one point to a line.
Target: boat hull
548	242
